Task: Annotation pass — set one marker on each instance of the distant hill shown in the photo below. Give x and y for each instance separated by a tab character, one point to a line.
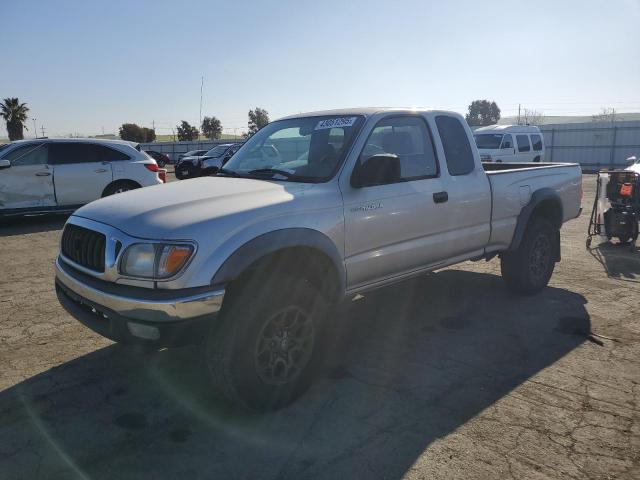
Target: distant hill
554	119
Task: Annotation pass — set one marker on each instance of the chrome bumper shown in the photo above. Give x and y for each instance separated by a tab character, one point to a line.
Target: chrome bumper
165	310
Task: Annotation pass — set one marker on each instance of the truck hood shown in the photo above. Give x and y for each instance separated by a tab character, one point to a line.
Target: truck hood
176	210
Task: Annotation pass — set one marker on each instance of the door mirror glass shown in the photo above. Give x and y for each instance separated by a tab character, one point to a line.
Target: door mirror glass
378	169
4	163
506	145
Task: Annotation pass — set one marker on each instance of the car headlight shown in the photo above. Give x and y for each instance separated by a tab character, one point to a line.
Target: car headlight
155	260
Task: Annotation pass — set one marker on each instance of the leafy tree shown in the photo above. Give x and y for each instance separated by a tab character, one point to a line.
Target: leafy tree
149	134
211	128
258	118
135	133
186	132
132	133
15	116
482	113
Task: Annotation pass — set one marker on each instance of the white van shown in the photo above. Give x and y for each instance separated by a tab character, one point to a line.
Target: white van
510	143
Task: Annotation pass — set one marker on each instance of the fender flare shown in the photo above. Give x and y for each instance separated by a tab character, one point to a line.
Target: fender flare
537	198
271	242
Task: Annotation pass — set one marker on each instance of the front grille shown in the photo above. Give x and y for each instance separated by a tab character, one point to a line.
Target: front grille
83	246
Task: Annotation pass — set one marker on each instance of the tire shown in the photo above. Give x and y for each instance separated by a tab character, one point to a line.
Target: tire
120	187
528	269
252	357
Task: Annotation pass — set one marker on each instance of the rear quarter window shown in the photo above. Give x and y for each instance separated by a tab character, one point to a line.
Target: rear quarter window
108	154
455	142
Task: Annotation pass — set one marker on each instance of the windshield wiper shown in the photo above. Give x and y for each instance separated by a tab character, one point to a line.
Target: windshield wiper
272	172
230	173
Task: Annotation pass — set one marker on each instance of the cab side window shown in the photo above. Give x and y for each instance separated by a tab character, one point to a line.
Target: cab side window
455	143
536	140
32	154
407	137
507	141
523	143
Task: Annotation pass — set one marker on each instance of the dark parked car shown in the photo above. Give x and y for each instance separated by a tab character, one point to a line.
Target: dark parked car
208	164
191	153
161	158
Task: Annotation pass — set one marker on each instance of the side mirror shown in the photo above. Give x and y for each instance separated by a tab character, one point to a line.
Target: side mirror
4	164
506	146
380	169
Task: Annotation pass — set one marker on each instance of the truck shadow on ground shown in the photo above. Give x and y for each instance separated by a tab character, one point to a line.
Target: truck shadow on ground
411	364
618	261
31	224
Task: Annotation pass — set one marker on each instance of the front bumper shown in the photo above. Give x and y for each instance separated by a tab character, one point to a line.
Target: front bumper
166	318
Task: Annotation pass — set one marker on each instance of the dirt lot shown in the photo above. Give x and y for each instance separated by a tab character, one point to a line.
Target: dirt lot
446	376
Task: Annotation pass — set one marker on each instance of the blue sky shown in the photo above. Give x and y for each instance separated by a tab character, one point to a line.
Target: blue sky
82	66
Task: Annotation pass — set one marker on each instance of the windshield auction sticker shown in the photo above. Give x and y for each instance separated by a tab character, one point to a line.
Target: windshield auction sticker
336	122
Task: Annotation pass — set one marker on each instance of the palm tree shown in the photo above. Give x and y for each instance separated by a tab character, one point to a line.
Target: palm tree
15	114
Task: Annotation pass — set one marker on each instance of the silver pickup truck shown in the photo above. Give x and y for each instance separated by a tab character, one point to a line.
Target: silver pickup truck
312	210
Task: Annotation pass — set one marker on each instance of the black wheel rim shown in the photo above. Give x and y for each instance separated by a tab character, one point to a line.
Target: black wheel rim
284	346
539	258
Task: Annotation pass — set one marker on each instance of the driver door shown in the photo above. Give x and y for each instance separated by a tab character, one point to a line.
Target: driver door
391	229
28	182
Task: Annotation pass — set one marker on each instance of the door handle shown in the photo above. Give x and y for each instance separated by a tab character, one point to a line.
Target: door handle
100	170
440	197
43	174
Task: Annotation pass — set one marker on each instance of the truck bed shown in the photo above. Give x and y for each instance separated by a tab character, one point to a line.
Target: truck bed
513	184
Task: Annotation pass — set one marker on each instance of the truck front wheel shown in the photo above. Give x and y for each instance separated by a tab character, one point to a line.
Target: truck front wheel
269	342
528	269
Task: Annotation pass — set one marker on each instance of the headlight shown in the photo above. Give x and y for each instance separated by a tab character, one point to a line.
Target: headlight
154	260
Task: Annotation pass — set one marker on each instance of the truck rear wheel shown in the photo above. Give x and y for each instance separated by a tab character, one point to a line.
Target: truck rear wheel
269	342
528	269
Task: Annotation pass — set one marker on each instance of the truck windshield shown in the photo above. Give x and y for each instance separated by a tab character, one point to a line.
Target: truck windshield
488	140
306	149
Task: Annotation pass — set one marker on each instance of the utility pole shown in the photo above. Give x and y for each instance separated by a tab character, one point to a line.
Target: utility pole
518	114
35	130
201	85
42	128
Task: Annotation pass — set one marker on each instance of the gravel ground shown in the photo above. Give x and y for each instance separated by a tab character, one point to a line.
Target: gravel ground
445	376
